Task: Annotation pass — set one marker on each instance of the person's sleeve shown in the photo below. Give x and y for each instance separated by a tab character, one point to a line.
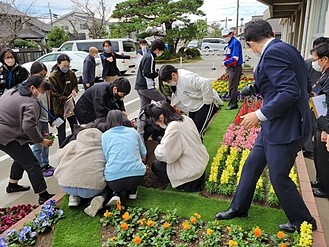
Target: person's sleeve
170	147
30	123
235	54
74	82
148	71
99	104
87	66
278	69
121	56
121	105
142	147
204	85
102	56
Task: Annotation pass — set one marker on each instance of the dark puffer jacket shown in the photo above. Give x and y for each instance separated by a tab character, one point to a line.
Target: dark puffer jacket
18	75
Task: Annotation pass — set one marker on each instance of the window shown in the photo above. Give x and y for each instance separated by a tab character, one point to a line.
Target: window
66	47
49	58
84	46
83	26
128	46
65	28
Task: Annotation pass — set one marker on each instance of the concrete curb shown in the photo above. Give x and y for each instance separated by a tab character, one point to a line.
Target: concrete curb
307	194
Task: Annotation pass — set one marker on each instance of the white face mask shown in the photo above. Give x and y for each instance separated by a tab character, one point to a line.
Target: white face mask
172	83
143	47
159	54
316	66
10	61
227	39
107	49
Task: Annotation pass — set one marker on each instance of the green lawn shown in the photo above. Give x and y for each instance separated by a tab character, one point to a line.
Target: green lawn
78	229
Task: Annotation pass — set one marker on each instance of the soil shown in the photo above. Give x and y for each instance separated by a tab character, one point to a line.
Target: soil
45	239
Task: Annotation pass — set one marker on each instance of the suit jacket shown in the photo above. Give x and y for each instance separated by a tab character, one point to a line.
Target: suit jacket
282	80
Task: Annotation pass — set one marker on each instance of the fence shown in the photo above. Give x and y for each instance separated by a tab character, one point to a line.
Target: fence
28	54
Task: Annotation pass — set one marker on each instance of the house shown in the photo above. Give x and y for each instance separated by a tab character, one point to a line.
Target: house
76	24
303	21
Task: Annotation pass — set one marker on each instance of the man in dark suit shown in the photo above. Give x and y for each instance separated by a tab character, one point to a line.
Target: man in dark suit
286	122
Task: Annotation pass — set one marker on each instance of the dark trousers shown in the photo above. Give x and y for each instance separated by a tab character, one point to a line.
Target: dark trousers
62	129
24	160
146	95
322	164
280	160
202	117
125	184
159	168
234	75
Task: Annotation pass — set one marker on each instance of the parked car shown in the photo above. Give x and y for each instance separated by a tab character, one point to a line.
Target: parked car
194	44
215	44
122	46
77	58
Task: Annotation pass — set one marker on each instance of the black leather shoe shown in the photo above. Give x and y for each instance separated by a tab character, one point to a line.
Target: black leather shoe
232	107
319	193
315	184
17	188
43	200
288	227
229	214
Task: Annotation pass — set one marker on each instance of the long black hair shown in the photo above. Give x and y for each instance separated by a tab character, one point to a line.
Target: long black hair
153	112
61	58
35	80
37	67
4	51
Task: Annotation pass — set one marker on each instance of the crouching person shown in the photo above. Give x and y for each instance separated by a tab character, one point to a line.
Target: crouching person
125	155
81	169
181	158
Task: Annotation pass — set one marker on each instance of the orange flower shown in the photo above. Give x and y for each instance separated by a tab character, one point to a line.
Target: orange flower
119	205
124	226
280	234
193	220
186	225
198	216
137	240
229	228
150	223
210	231
166	225
126	216
232	243
107	214
257	232
283	245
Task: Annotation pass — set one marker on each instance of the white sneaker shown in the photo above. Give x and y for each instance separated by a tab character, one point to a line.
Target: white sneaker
74	201
132	196
113	201
95	205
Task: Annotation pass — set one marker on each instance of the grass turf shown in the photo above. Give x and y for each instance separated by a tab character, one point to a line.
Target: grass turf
78	229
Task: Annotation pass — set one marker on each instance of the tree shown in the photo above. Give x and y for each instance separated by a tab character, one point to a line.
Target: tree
13	21
97	17
216	31
139	15
56	37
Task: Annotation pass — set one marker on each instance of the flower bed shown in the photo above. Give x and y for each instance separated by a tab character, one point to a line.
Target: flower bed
49	215
139	227
9	216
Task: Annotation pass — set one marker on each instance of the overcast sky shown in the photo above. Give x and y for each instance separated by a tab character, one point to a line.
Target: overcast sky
216	10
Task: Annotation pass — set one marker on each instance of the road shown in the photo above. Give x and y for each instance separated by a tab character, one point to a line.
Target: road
203	67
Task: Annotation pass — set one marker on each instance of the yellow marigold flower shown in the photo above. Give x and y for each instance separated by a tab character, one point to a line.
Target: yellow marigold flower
150	223
229	228
257	232
283	245
193	220
280	234
119	205
186	225
210	231
239	228
107	214
141	221
198	216
232	243
137	240
113	239
124	226
166	225
126	216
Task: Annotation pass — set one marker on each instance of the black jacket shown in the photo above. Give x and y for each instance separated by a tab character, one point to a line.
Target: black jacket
19	74
96	102
110	68
88	73
323	83
146	72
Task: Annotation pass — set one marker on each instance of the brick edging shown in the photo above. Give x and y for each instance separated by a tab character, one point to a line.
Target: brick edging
307	194
19	225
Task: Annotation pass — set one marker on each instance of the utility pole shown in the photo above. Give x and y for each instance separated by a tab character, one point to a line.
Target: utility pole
51	15
226	22
237	17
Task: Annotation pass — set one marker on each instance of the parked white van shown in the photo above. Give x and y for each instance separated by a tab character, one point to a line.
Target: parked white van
216	44
122	46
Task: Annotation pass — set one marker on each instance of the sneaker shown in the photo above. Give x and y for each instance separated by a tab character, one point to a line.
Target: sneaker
47	173
113	201
95	205
132	195
43	200
74	201
17	188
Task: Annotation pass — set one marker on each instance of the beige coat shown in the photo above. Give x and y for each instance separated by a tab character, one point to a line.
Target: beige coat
81	162
181	148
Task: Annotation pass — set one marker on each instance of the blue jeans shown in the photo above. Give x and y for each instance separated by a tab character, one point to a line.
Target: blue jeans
82	192
39	151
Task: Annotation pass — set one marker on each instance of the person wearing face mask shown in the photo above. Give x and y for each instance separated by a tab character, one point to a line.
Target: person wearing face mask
20	111
285	125
89	67
320	56
233	62
194	93
145	84
144	47
44	99
181	158
64	85
97	101
109	61
11	73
